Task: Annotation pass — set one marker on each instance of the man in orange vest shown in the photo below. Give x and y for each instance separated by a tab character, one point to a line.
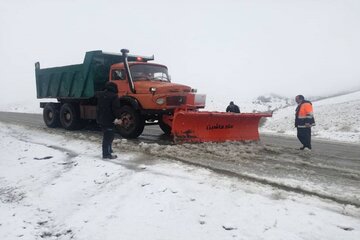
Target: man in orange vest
304	120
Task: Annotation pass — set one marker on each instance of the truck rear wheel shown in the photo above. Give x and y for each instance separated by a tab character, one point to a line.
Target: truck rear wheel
132	122
51	115
70	116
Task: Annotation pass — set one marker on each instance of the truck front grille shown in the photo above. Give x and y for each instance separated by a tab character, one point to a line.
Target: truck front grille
175	100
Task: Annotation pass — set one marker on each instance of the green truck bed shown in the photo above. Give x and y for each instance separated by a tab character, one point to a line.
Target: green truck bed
79	81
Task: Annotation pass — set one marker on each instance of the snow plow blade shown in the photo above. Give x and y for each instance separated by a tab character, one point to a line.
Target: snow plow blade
195	126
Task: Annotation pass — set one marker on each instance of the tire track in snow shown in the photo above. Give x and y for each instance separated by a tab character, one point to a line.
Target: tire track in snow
201	155
70	155
230	171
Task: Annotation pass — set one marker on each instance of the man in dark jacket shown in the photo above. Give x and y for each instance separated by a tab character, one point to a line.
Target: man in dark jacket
233	108
304	120
107	103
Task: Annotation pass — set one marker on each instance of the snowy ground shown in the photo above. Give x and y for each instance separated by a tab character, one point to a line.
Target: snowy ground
57	187
336	118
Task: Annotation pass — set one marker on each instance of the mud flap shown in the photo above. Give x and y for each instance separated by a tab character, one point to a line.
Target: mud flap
196	126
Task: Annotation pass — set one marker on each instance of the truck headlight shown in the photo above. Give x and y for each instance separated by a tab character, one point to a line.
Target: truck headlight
160	101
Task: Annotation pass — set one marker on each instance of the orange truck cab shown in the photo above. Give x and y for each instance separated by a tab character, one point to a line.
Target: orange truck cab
147	96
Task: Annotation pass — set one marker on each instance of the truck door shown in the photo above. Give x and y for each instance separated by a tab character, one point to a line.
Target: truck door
118	76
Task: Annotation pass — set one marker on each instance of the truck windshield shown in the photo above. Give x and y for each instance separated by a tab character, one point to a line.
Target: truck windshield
149	72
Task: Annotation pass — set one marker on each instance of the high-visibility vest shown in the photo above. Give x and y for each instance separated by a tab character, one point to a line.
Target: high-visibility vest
304	116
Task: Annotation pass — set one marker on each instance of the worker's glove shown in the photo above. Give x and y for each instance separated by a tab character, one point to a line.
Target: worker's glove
307	125
117	121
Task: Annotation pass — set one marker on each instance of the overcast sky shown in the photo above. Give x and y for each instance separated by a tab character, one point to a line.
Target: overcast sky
231	49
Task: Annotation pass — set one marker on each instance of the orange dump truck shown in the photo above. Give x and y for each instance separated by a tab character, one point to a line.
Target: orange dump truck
146	96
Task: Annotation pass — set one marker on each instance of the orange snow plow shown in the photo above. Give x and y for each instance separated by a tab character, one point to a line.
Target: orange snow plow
197	126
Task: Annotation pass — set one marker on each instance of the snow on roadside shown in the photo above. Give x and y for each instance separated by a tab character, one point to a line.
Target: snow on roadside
336	118
274	165
56	187
25	106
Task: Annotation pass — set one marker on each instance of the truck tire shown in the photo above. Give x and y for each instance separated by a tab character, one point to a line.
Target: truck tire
164	127
51	115
132	122
70	116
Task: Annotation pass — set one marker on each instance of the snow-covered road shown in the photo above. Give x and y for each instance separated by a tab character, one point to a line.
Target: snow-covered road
331	171
54	185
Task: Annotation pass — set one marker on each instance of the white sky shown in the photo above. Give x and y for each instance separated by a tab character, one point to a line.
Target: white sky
229	49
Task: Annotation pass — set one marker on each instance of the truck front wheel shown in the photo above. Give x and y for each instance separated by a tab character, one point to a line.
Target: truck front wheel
51	115
70	116
132	122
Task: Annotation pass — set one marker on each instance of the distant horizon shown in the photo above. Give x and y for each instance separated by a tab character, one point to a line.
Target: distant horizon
212	104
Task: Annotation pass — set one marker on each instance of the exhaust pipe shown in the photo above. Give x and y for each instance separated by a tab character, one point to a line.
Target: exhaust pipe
127	69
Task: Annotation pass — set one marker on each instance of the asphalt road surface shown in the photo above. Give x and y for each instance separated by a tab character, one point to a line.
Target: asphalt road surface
330	171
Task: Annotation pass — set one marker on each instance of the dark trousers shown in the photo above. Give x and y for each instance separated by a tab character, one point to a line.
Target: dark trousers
304	135
108	137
